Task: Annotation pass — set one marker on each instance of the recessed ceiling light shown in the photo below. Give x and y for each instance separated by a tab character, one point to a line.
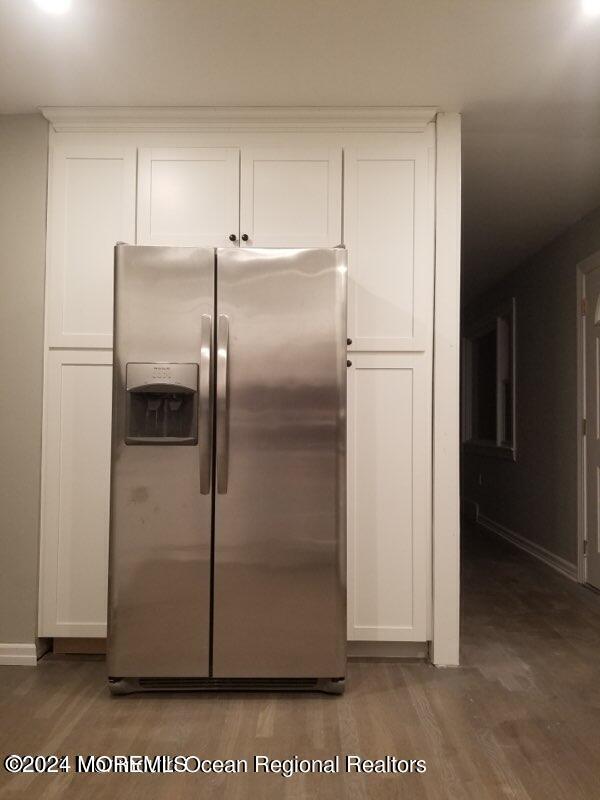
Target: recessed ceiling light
54	6
590	7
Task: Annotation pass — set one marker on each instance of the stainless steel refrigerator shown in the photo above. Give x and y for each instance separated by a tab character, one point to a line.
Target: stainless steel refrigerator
228	481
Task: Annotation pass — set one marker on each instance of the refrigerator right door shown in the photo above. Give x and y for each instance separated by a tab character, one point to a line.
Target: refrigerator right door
280	504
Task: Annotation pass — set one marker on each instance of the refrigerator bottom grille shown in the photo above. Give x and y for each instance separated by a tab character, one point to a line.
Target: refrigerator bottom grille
129	685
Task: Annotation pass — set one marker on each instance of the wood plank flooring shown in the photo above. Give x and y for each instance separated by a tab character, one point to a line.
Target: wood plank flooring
520	719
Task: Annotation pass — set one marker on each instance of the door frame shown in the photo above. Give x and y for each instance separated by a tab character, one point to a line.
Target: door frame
584	267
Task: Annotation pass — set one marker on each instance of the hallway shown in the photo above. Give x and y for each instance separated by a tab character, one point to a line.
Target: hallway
518	720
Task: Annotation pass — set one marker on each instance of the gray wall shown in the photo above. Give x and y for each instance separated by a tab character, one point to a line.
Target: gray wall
536	496
23	168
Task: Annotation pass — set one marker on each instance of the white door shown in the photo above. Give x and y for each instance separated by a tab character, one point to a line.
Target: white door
592	412
91	207
389	454
188	196
388	232
291	196
76	493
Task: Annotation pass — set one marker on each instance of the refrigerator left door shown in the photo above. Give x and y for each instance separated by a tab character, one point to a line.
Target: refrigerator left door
160	528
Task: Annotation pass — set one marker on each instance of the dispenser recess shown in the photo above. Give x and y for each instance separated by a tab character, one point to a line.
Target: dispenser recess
162	404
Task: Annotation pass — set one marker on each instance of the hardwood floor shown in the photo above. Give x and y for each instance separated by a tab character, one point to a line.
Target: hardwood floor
520	718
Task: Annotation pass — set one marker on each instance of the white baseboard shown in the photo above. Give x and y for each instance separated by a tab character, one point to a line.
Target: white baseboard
24	655
550	559
396	650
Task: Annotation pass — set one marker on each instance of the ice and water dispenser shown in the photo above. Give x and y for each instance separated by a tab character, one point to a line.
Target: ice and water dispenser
162	404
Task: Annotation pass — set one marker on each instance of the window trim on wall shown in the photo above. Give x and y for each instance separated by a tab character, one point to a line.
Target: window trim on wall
487	324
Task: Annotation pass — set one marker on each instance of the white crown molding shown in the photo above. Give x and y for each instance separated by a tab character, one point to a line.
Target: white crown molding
251	118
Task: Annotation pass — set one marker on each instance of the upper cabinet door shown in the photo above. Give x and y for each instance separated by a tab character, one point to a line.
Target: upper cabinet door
291	197
389	229
91	208
188	196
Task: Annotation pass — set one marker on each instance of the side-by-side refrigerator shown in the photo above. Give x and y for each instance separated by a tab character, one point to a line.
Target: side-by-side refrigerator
228	483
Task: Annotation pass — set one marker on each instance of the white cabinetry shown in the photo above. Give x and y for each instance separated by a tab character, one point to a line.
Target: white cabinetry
389	455
75	502
278	197
388	227
291	196
92	199
91	206
359	181
188	196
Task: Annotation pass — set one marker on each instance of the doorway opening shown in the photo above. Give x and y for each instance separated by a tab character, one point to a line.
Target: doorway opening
588	412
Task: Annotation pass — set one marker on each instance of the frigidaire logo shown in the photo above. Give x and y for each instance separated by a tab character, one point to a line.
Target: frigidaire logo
162	372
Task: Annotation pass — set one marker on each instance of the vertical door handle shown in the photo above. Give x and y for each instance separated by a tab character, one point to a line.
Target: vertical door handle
222	404
204	410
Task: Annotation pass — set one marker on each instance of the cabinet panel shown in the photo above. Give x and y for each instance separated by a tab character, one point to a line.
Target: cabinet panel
388	497
388	228
291	197
75	513
92	206
188	196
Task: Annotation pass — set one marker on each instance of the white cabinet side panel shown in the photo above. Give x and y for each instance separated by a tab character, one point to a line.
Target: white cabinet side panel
291	197
388	493
446	428
75	513
91	208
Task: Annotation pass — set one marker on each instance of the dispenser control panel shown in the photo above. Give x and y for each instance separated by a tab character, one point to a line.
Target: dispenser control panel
162	404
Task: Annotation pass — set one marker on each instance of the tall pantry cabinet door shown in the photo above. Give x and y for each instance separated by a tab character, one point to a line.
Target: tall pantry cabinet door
75	493
389	455
188	196
291	196
91	207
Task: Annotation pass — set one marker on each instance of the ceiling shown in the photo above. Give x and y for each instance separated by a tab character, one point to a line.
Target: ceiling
524	73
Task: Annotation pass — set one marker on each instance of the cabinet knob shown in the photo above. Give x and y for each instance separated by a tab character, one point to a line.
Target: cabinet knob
348	341
232	237
244	237
348	363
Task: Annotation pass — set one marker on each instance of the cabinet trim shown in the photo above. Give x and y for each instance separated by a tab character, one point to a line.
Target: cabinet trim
123	119
446	392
